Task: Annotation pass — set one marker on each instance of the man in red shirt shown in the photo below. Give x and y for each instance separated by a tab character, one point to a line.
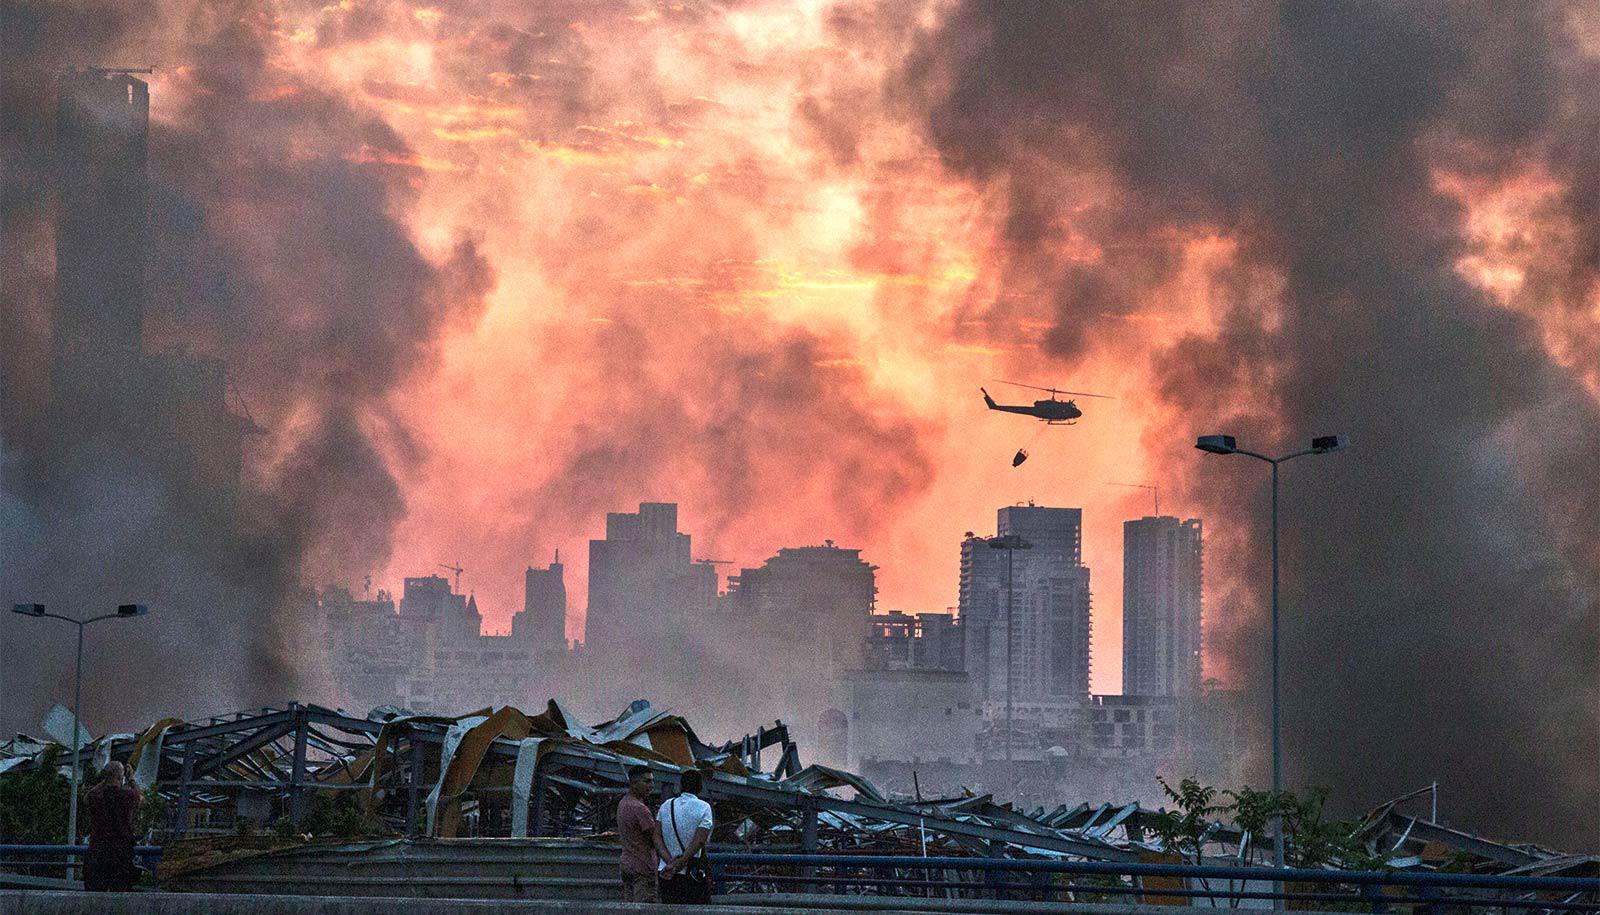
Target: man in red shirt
112	805
642	848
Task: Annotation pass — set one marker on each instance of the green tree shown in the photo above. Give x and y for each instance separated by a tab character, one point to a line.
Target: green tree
1184	829
1310	838
33	803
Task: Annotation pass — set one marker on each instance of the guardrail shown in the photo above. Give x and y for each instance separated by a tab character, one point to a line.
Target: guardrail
66	856
1047	880
1075	881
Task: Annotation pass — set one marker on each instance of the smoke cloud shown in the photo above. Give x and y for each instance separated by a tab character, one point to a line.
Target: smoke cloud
276	244
486	271
1441	595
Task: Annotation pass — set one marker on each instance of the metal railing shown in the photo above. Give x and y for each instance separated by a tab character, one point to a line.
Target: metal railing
1074	881
64	857
1224	886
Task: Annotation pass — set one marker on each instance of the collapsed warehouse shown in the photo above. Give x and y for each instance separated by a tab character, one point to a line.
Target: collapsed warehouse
549	778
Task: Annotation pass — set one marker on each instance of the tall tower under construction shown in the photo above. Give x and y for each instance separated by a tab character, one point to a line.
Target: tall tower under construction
161	416
102	131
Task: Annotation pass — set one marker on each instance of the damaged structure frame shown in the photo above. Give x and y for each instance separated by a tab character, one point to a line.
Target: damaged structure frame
500	772
503	773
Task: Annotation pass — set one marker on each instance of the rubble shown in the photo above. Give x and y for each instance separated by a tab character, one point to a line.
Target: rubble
502	772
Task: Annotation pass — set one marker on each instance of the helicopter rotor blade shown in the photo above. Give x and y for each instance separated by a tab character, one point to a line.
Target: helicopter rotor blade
1054	390
1021	385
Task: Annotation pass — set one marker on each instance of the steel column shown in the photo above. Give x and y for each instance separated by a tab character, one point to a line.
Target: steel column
297	774
180	813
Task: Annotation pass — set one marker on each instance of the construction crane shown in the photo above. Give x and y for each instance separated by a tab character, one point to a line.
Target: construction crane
1155	490
456	569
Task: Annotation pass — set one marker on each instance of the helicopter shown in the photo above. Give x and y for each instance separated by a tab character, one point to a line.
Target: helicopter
1053	412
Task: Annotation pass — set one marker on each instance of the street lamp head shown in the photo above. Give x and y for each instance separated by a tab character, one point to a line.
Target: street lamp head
28	609
1217	444
1009	542
1323	444
132	610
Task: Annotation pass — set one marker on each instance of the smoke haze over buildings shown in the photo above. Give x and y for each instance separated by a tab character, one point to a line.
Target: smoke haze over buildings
1443	599
484	272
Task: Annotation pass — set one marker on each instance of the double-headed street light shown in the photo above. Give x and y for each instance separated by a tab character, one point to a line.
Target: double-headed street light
1227	444
125	610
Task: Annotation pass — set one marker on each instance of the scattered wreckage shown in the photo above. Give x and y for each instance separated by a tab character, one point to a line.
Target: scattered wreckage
434	794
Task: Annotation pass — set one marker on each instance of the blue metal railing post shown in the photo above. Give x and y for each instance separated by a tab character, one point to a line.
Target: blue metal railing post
1373	895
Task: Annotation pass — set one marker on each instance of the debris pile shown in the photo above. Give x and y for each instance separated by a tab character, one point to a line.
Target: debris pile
502	772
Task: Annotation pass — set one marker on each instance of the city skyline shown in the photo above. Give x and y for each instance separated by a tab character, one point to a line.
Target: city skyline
388	284
1105	665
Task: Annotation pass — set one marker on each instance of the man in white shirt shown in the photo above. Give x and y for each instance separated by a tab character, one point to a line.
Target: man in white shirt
685	824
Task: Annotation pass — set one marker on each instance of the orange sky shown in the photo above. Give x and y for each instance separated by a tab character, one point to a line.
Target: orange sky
729	274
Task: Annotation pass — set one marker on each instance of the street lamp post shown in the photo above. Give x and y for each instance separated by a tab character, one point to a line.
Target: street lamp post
1010	543
1227	444
37	610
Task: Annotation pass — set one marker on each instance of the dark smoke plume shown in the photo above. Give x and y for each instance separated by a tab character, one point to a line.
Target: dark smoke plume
276	246
1442	593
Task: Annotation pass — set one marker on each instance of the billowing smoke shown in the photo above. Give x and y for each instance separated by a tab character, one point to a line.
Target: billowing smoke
1442	589
486	271
276	244
670	347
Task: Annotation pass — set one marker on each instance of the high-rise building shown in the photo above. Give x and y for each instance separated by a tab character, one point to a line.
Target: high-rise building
166	413
102	131
1049	595
983	583
643	585
791	628
816	599
543	619
1161	606
1056	533
1050	634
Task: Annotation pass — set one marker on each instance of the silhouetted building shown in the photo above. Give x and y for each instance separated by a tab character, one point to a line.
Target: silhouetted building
543	619
431	656
370	654
1049	644
644	590
910	715
931	641
1161	606
102	132
1122	726
161	414
983	583
786	632
1056	533
813	602
1050	635
428	603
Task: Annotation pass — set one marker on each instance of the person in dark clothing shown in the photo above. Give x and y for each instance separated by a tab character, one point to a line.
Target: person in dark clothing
642	851
112	805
